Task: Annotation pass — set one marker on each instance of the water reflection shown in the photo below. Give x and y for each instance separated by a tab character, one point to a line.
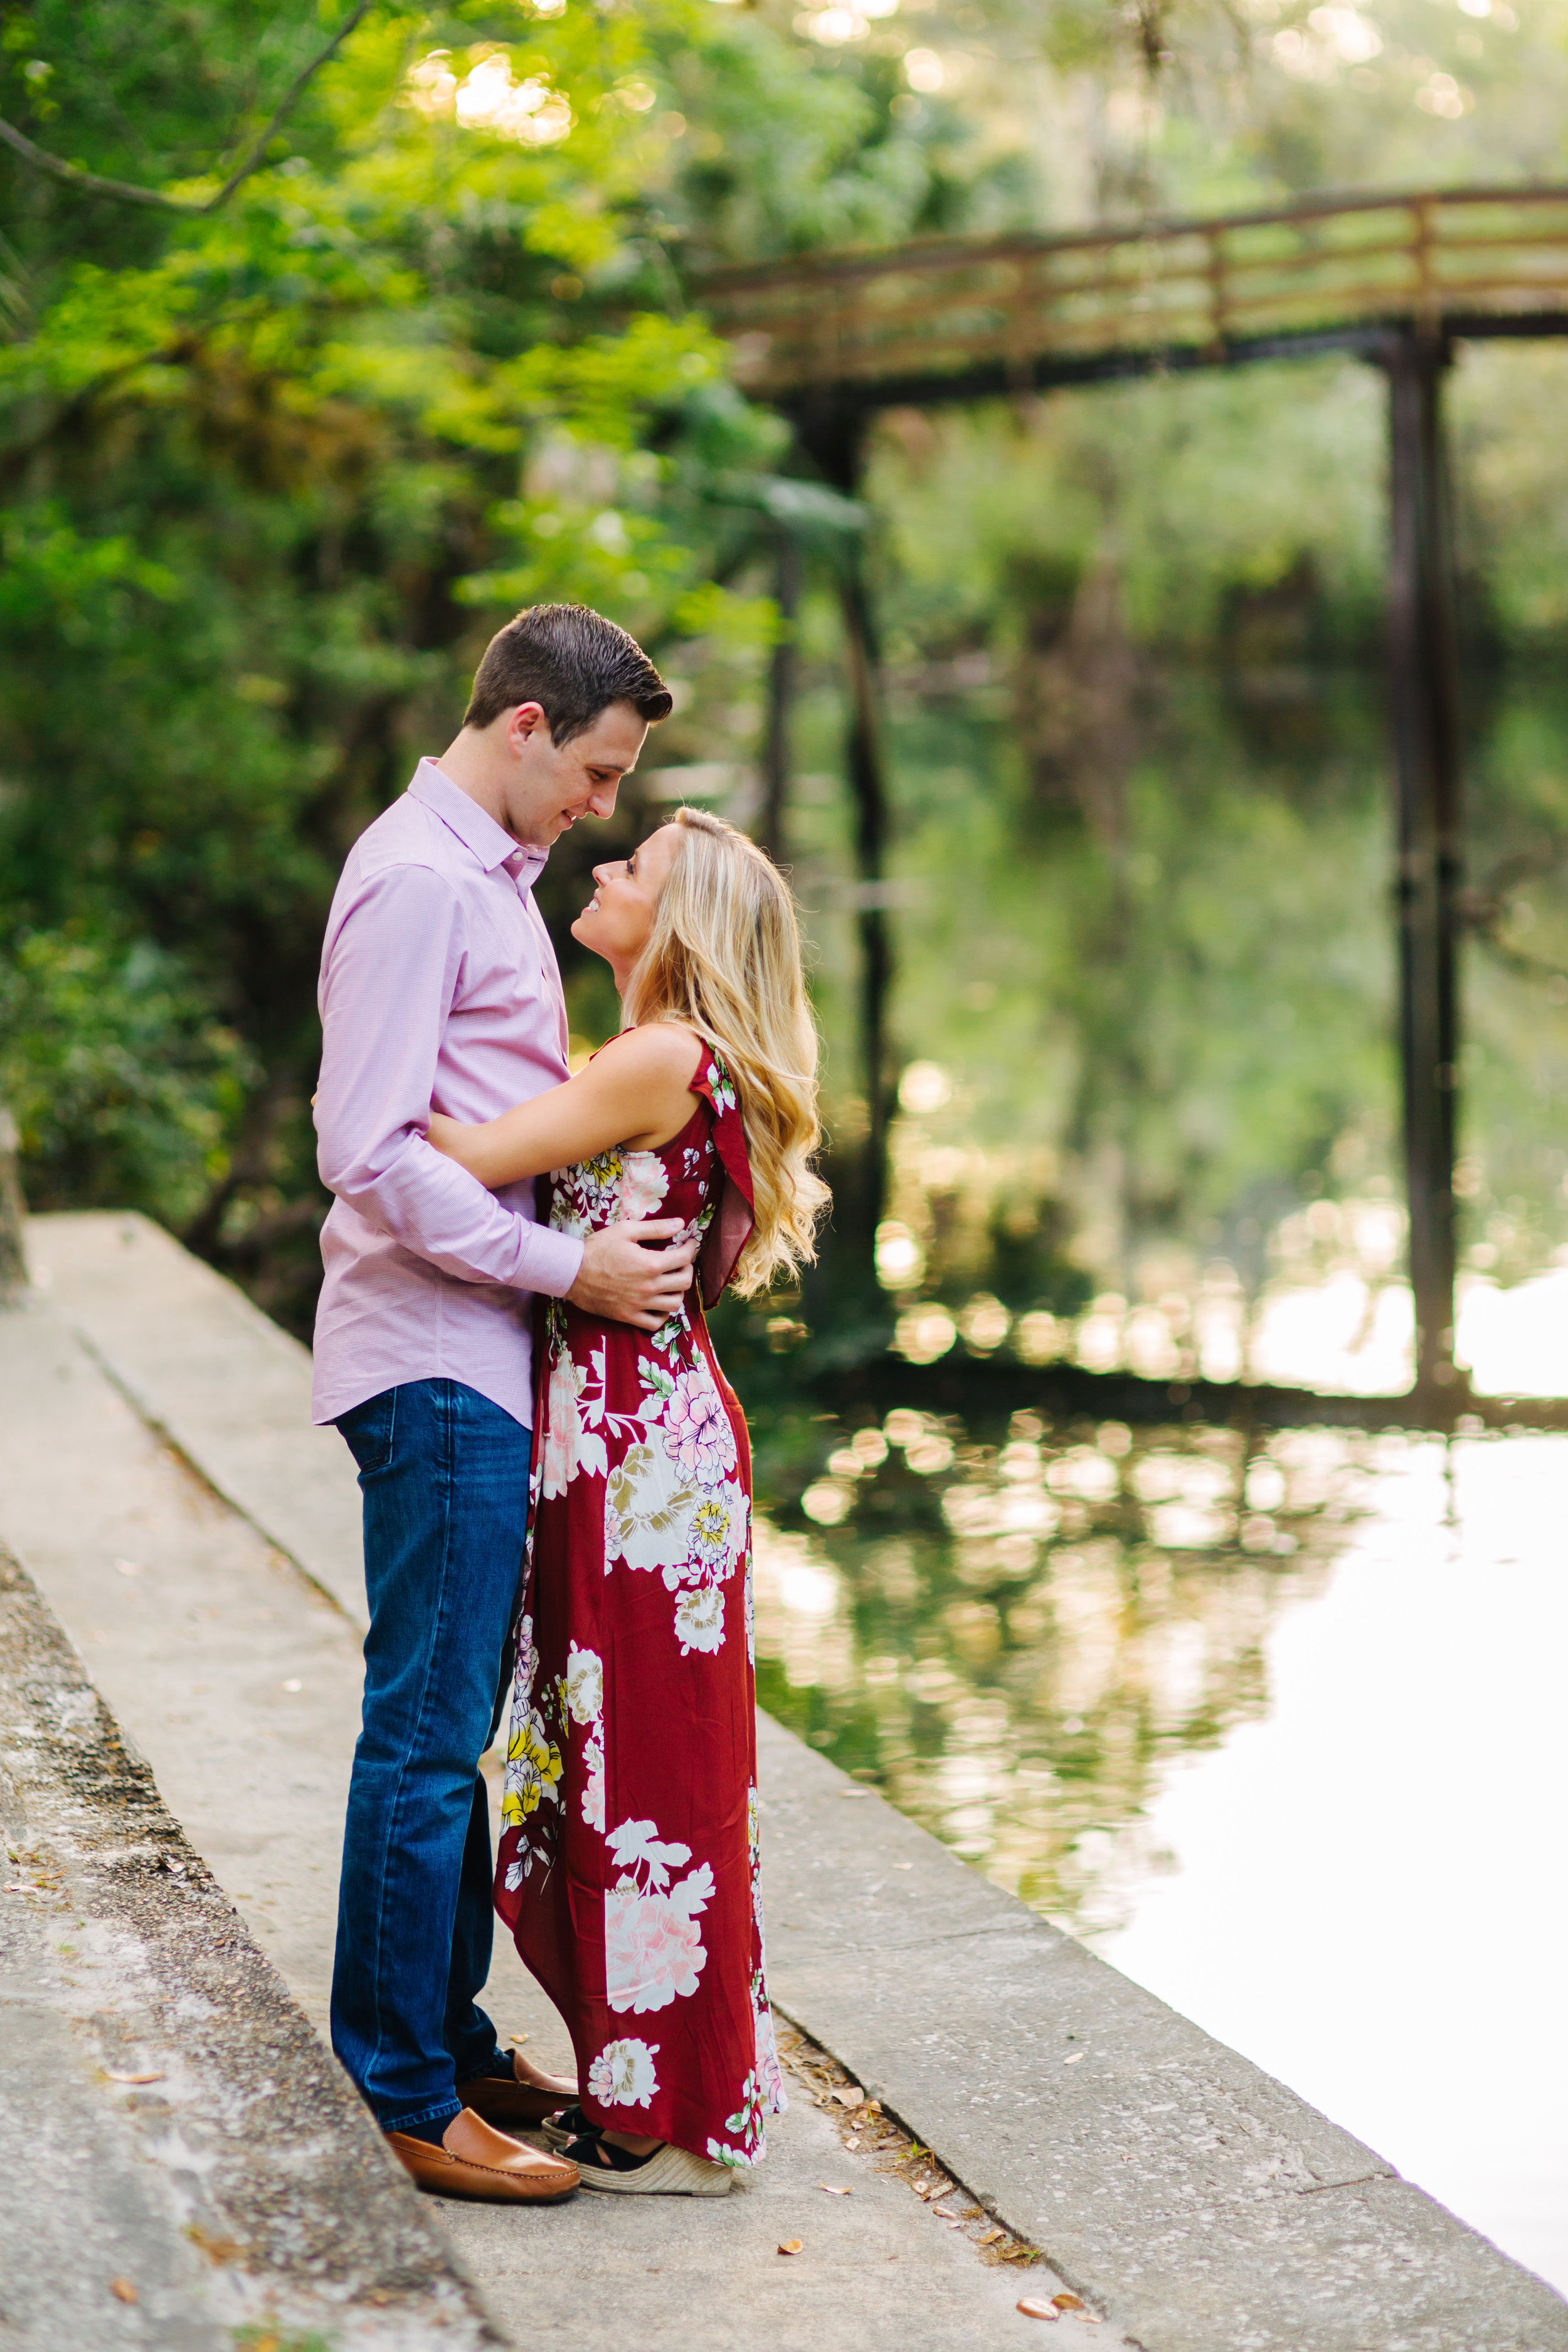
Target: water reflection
1278	1727
1013	1633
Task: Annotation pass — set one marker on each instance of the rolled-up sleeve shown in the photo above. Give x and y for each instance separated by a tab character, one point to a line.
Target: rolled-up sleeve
388	983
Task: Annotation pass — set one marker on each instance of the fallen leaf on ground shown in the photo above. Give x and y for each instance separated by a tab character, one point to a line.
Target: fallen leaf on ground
123	2289
516	2040
1069	2303
835	2192
1074	2059
144	2075
991	2237
790	2246
849	2094
1032	2310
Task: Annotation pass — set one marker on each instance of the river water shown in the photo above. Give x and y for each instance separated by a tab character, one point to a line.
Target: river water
1277	1729
1279	1732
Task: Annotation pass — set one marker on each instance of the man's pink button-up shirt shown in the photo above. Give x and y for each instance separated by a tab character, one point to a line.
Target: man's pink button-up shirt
439	991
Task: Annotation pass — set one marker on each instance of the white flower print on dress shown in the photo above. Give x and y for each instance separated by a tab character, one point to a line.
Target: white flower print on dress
647	1505
568	1445
585	1684
533	1766
593	1782
719	1530
654	1951
585	1691
699	1620
700	1428
624	2076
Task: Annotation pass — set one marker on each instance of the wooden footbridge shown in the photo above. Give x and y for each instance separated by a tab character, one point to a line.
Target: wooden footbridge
1396	280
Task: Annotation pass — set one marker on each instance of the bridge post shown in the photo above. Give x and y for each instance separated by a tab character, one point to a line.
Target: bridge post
833	435
1422	660
782	671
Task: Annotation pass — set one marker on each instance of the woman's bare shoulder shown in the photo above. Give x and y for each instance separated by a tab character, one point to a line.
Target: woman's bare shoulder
657	1051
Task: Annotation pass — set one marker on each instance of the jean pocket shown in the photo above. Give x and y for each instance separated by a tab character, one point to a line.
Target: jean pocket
368	1432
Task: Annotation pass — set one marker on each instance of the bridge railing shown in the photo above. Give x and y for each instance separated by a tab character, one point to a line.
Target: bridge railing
1008	307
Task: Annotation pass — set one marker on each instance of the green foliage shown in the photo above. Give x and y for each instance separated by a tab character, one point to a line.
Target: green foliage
123	1085
269	478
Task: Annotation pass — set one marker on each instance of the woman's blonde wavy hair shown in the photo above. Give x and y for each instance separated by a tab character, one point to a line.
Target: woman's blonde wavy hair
723	957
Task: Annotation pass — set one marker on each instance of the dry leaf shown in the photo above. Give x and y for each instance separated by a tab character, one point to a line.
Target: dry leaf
1069	2303
790	2246
849	2094
827	2185
1074	2059
125	2290
146	2074
516	2040
1033	2310
991	2237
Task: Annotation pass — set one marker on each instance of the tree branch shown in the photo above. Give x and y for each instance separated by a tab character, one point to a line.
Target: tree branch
92	183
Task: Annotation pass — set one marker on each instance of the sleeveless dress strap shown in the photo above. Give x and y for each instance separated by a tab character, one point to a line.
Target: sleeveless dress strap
730	1226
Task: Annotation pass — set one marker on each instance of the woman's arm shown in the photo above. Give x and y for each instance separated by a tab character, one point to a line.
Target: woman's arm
635	1091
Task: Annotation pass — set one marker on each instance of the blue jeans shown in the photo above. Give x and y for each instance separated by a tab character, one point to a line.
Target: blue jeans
444	1473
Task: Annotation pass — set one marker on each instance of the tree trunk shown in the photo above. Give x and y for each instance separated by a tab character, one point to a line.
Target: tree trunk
13	1214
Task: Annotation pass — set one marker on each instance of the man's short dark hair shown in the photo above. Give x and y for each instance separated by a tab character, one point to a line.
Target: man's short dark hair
571	661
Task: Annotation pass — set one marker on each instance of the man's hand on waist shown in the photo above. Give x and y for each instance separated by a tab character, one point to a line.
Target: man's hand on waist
624	1281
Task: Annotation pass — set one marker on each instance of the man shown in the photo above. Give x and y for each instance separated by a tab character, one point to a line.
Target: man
440	990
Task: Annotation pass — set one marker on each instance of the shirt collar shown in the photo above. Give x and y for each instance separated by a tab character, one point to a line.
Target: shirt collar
480	833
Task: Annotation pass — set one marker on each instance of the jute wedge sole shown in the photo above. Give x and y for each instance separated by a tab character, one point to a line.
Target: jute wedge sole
672	2172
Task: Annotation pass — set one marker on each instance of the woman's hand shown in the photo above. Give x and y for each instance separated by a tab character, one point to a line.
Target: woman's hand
462	1143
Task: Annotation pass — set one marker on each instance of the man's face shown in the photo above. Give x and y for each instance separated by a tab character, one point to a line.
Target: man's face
549	786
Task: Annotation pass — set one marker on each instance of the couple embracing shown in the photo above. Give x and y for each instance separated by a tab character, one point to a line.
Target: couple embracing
575	1529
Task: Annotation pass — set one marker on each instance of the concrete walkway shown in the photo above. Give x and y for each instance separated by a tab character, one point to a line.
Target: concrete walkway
1190	2199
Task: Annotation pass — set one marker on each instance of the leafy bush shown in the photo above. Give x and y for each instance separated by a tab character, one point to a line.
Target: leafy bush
122	1082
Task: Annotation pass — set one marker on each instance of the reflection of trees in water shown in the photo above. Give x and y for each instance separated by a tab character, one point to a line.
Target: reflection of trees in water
1016	1639
1149	1050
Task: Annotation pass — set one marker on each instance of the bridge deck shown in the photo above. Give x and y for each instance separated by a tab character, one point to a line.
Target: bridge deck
946	320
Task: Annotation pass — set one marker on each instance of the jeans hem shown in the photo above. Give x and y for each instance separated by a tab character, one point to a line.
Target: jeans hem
447	2112
485	2073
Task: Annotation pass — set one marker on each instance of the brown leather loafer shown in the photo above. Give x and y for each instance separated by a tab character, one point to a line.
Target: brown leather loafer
527	2099
473	2160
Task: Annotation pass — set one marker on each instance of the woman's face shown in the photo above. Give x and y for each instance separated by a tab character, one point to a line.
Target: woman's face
618	918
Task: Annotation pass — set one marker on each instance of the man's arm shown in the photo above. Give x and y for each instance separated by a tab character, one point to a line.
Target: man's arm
390	979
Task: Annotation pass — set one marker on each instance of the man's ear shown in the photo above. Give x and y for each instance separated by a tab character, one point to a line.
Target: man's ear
526	721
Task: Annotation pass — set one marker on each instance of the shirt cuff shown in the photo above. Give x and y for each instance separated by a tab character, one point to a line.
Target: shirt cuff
552	1262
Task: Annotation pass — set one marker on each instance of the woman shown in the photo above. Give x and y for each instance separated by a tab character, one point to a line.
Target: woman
628	1870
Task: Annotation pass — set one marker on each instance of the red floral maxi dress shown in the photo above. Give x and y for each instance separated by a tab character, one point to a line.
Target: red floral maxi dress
628	1864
